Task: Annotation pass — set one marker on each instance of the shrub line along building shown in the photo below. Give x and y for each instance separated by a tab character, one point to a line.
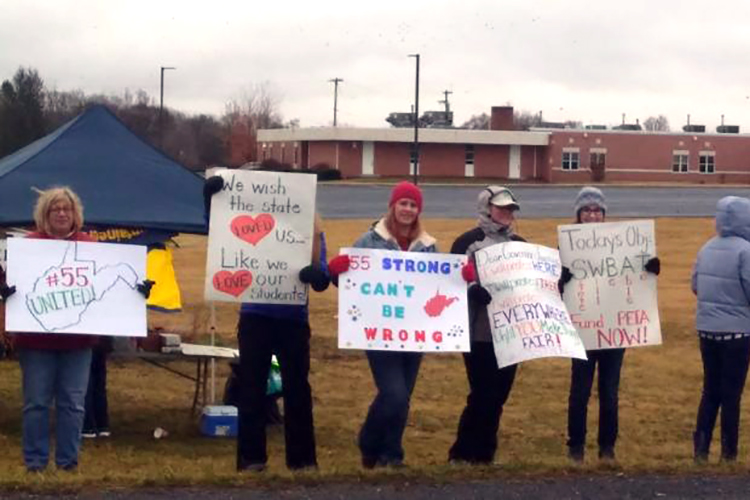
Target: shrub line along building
545	155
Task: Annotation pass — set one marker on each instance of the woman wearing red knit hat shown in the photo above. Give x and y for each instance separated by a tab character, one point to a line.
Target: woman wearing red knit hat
395	373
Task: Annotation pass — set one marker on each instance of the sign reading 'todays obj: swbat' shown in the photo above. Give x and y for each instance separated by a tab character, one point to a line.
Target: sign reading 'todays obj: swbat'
403	301
260	237
611	298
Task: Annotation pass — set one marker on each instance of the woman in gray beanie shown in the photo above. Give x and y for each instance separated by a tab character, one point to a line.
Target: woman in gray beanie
489	386
590	207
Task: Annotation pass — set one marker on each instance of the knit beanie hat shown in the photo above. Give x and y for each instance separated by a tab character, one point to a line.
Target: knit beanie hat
589	195
408	190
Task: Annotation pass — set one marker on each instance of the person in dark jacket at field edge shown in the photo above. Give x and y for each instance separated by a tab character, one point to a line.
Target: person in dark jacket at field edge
489	386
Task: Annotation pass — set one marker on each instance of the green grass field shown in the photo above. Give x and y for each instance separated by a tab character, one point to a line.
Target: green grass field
658	397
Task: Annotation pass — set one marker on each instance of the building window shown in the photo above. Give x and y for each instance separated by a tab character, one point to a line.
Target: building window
570	160
706	162
469	155
597	159
680	161
412	154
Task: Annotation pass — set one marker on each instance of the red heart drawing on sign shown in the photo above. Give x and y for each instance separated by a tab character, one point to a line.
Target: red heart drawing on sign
252	229
233	283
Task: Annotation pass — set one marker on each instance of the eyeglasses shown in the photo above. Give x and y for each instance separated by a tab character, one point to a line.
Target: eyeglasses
592	210
65	210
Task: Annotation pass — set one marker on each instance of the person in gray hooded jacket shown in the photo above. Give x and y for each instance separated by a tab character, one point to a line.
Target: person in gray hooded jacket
721	280
489	386
395	373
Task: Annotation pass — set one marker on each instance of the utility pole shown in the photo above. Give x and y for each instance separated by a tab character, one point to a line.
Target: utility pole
448	120
336	82
416	121
445	102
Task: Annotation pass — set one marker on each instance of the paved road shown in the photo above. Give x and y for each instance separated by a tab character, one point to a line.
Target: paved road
369	202
600	487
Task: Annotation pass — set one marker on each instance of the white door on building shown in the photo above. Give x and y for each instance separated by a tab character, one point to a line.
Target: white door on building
514	163
368	158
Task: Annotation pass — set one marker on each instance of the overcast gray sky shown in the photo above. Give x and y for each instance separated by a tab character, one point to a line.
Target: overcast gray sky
572	59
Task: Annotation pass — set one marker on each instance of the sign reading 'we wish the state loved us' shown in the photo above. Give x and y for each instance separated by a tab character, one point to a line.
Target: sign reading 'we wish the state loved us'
260	237
611	298
403	301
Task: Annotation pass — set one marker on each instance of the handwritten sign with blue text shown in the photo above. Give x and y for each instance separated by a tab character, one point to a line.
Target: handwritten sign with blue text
403	301
75	287
611	298
260	237
528	318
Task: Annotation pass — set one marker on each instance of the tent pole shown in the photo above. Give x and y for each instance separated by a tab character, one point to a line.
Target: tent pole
212	328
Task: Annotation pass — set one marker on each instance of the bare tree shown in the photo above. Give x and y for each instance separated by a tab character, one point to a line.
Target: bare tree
477	122
524	120
656	124
258	109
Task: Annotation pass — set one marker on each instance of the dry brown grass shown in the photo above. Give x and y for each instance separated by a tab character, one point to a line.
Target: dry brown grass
658	398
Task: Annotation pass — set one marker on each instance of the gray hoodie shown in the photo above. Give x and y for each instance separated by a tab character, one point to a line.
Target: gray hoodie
721	274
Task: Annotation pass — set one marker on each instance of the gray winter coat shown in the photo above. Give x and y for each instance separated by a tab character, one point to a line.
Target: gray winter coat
378	237
721	275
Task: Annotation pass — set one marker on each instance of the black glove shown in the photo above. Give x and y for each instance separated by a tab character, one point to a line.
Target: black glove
479	295
565	277
213	185
653	266
315	277
144	288
6	291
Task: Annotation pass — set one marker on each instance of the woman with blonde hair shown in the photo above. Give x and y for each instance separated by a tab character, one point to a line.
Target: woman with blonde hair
55	366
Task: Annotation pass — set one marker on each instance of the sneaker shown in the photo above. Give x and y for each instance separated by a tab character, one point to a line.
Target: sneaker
88	434
104	434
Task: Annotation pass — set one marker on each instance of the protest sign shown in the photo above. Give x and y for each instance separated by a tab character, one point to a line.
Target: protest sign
611	298
527	316
75	287
403	301
260	237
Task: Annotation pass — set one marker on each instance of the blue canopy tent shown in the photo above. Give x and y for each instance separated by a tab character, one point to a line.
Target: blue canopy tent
121	180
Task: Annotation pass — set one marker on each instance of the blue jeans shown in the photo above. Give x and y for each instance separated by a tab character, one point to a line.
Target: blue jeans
62	376
395	374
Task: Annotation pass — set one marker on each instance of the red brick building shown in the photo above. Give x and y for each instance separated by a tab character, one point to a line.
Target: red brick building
547	155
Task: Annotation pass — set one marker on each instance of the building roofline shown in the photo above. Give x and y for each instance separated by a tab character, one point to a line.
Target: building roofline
636	132
426	135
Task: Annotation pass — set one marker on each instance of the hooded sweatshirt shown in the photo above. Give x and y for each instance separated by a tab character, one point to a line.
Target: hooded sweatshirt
485	234
721	274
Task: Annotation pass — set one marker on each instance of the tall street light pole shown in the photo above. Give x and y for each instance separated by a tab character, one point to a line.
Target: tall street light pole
416	121
336	82
161	101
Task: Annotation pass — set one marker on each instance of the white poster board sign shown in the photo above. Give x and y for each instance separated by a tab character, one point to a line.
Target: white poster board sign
611	299
260	237
528	318
75	287
403	301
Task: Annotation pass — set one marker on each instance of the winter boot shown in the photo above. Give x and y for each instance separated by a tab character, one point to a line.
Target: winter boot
701	445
